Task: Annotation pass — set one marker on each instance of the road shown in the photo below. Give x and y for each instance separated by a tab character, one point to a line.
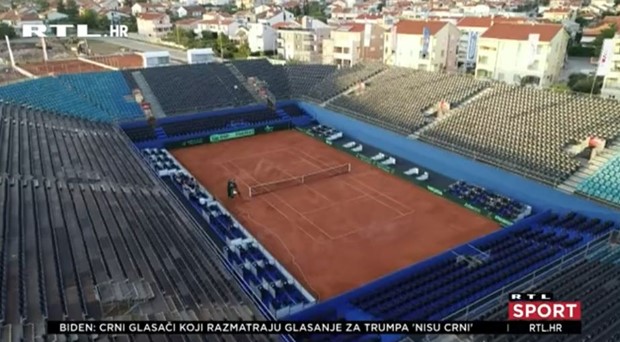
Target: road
176	56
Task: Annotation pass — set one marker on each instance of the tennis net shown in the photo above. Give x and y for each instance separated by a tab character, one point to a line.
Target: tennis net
264	188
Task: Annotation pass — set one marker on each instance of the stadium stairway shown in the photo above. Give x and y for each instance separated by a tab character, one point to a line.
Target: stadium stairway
239	76
453	111
160	133
156	108
571	184
352	89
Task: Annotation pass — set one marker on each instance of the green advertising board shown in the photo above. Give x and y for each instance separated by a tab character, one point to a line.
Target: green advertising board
214	138
232	135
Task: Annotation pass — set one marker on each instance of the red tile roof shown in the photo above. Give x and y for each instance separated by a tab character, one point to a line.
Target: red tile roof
417	26
369	16
486	21
558	10
522	31
285	24
352	28
151	16
188	21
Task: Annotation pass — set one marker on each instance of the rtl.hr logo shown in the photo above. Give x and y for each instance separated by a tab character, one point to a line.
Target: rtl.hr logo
29	31
541	307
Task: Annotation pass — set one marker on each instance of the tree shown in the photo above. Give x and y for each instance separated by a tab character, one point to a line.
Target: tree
583	22
7	30
131	22
243	52
606	33
43	5
582	83
61	7
88	18
72	10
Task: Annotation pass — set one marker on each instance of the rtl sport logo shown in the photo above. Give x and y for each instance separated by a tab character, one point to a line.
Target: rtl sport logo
541	307
41	31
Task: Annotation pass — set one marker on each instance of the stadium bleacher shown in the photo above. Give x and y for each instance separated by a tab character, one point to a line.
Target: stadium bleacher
604	183
594	280
273	75
195	88
89	233
304	77
343	79
215	122
54	96
108	90
526	130
41	144
382	98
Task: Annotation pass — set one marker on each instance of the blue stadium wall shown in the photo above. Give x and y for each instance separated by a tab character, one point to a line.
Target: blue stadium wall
458	167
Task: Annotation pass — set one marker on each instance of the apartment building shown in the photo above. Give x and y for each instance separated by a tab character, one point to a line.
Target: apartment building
261	37
154	24
422	44
351	43
522	53
303	43
611	84
471	29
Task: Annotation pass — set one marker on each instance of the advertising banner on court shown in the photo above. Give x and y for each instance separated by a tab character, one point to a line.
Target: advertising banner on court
218	137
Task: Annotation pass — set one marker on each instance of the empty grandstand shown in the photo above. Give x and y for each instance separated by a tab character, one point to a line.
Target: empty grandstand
195	88
526	130
380	101
89	233
94	228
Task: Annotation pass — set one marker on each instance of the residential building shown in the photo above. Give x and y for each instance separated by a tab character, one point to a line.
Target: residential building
143	7
154	24
558	15
55	15
611	83
471	29
190	11
301	44
261	37
115	16
270	18
374	18
343	14
422	44
352	43
522	53
188	24
219	24
17	20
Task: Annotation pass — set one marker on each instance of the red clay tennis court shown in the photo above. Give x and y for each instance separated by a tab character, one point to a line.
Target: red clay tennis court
337	233
70	66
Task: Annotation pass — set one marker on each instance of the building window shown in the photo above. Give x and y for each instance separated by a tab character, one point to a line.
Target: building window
483	60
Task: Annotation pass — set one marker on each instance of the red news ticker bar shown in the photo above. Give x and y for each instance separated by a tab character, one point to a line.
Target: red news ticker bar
544	311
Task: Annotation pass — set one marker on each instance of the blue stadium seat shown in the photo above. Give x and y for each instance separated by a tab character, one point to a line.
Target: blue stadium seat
51	94
108	90
605	182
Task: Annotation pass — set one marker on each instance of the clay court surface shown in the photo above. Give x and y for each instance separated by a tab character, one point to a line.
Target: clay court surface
333	234
73	66
125	61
